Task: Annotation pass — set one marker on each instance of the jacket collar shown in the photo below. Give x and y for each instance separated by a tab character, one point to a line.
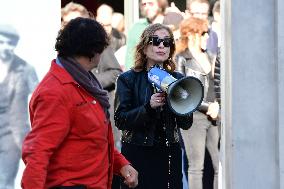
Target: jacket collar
186	54
61	74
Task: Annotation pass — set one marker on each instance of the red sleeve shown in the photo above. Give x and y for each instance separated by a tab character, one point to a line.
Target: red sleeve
50	125
119	162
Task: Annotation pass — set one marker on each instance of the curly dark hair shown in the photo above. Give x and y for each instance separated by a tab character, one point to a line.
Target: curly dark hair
81	37
140	57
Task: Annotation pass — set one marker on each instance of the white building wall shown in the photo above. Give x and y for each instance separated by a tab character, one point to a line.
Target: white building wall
280	57
252	144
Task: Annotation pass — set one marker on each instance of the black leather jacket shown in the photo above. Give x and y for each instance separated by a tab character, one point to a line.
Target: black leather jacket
135	117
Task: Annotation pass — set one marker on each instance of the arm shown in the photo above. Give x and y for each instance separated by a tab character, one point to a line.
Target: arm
32	79
128	117
18	111
50	120
122	167
119	162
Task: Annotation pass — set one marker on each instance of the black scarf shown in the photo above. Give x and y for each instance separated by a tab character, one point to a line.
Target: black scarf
87	80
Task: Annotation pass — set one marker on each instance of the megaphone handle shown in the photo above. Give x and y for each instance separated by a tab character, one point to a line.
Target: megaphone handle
156	89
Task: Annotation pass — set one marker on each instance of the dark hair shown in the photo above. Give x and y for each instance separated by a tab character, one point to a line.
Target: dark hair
81	37
216	7
140	57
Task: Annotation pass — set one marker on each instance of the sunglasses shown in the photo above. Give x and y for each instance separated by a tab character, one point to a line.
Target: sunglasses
156	41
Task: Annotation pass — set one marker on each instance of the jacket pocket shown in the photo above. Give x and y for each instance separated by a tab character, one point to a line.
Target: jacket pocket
84	120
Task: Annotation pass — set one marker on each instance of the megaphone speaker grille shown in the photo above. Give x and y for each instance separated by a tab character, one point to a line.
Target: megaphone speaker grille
185	95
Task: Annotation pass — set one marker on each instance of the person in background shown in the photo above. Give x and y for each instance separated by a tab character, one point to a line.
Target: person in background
173	20
201	9
107	71
192	60
73	10
109	68
214	112
117	21
104	17
119	24
17	81
71	143
150	138
153	12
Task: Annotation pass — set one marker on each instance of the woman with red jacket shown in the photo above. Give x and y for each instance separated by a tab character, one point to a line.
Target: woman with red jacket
71	142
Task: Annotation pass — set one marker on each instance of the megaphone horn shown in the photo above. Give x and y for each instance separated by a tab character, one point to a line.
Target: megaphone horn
184	95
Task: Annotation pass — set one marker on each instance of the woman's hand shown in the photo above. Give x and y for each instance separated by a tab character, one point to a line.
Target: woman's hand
157	100
213	110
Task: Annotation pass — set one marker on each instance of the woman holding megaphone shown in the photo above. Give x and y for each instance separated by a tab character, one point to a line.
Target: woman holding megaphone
150	138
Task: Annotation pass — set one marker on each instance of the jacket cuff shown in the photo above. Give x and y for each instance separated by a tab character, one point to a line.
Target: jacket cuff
149	109
119	162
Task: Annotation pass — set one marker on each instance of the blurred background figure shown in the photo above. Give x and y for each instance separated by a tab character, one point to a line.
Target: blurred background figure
109	68
201	9
73	10
216	67
173	20
17	81
193	60
104	16
152	11
118	22
216	23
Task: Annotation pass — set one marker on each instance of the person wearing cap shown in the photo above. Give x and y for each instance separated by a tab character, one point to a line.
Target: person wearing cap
17	81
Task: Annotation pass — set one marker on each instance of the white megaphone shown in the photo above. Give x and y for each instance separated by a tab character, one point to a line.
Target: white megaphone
184	95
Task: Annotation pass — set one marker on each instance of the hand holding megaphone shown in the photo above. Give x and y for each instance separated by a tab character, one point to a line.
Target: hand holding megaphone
183	95
157	100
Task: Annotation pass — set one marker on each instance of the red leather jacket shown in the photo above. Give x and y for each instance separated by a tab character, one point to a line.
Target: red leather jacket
71	141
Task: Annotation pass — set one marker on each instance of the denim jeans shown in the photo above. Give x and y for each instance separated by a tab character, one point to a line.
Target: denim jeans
202	134
10	155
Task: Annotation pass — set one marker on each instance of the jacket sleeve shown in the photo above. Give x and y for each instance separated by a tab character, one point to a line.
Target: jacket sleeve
19	119
180	64
128	117
50	125
184	122
119	162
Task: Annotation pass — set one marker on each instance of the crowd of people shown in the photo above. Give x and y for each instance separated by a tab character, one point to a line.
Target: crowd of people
96	120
